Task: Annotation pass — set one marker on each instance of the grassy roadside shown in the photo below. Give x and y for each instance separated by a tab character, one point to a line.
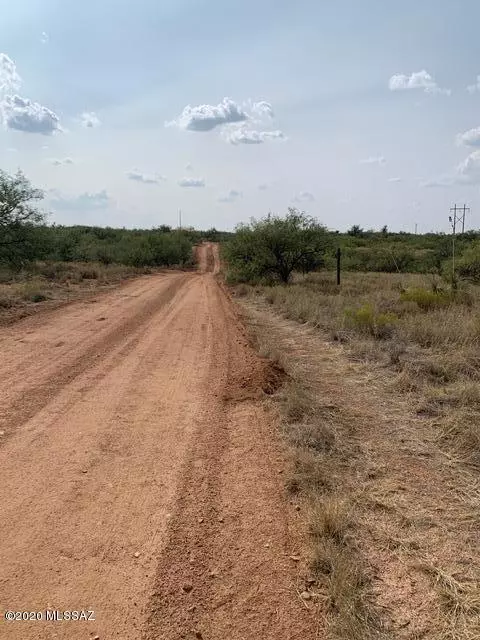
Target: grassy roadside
49	284
393	517
412	325
322	451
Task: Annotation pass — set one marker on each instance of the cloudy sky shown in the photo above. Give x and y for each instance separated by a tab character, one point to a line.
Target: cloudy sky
357	112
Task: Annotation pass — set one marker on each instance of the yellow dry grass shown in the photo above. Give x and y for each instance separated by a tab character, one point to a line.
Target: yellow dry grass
384	438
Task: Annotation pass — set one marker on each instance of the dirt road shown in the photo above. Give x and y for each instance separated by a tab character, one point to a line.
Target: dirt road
139	472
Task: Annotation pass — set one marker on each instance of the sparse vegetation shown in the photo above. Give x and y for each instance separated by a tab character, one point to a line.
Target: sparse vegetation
49	263
428	335
426	365
22	290
321	454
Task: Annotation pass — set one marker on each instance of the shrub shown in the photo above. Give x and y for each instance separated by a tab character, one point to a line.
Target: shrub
89	274
468	267
366	320
436	299
275	247
426	300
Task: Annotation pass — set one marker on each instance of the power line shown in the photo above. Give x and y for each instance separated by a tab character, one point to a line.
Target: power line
458	216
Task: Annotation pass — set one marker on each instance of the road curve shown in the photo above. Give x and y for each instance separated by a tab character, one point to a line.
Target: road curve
139	471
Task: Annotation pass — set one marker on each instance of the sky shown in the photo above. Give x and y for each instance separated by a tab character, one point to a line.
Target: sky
361	113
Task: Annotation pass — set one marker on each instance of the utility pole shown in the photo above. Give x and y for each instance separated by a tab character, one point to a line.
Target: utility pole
458	216
179	218
416	226
338	255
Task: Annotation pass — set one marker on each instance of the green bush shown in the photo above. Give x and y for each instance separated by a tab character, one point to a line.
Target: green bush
427	300
468	266
366	320
274	247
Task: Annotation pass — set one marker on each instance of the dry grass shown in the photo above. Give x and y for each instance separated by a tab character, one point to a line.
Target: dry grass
460	430
330	519
460	602
427	334
320	455
384	487
22	292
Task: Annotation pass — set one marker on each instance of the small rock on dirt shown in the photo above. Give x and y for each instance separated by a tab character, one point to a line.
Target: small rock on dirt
305	595
295	558
187	587
136	554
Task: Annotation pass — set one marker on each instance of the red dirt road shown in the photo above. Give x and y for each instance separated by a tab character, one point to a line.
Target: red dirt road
139	472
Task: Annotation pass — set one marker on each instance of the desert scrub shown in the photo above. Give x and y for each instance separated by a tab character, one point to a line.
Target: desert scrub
366	320
429	300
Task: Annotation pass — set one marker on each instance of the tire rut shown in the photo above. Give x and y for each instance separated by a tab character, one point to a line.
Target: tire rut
37	397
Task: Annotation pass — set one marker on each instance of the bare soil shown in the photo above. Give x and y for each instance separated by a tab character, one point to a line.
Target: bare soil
140	471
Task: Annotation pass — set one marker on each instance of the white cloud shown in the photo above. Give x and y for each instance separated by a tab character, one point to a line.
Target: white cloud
466	173
84	202
9	78
57	162
25	115
243	135
418	80
145	178
395	180
304	196
473	88
237	121
378	160
45	38
89	120
262	108
192	182
206	117
470	138
231	196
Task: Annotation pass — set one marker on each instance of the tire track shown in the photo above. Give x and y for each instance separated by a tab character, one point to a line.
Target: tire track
37	397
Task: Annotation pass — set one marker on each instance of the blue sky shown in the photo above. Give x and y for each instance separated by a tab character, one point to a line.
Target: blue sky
357	112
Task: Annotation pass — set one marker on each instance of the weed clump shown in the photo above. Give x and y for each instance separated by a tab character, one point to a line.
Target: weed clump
366	320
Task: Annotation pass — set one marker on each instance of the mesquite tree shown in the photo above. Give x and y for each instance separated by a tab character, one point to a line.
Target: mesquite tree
275	247
18	219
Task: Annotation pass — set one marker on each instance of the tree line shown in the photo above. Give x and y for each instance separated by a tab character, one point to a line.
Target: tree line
26	237
272	248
